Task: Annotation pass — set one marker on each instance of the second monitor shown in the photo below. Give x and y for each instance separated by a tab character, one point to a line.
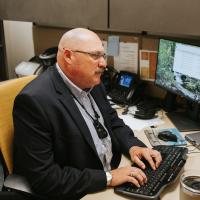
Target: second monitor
178	71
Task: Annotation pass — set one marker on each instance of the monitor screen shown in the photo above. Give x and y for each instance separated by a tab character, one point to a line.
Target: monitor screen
178	69
125	80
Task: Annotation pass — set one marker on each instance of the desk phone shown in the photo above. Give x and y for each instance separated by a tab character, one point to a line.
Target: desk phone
124	87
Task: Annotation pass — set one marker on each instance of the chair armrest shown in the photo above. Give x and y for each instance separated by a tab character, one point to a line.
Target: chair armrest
18	183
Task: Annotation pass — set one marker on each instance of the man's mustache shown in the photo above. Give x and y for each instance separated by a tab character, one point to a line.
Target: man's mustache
100	71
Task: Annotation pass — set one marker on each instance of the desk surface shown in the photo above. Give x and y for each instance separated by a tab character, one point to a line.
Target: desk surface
171	192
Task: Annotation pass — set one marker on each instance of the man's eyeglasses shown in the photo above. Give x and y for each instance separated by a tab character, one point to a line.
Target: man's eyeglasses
95	56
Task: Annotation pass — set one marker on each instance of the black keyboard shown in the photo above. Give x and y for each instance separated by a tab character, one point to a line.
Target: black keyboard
173	161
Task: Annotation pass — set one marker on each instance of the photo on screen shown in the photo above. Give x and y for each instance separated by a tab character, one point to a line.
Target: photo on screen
178	69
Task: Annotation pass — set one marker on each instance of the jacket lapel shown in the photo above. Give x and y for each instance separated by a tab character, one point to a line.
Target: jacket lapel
67	101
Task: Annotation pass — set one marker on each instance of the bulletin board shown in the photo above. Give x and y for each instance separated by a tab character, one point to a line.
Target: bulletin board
127	58
46	37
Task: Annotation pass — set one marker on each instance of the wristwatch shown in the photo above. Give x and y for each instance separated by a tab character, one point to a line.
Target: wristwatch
109	178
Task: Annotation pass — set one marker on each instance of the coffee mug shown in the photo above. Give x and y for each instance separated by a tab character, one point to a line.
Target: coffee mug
190	185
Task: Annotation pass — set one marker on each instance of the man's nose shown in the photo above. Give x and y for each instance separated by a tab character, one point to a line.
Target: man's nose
102	62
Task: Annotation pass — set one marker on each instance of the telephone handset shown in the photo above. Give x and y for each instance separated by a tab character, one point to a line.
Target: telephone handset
124	87
130	94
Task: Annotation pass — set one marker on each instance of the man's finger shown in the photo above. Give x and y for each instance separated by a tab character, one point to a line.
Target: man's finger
143	175
157	157
138	176
150	161
139	162
133	180
158	161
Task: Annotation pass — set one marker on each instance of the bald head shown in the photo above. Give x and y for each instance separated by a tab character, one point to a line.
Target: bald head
80	39
81	57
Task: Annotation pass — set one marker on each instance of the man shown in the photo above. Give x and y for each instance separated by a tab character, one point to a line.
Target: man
68	140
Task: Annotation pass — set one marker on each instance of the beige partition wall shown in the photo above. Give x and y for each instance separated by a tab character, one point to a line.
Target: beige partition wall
177	17
63	13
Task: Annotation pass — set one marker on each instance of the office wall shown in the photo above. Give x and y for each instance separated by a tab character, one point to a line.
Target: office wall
19	43
23	40
45	37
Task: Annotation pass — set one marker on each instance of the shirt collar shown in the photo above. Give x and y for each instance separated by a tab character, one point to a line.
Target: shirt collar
78	92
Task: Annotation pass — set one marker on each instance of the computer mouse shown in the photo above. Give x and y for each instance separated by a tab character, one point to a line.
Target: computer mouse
167	136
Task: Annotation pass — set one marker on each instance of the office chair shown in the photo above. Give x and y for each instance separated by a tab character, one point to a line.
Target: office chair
8	91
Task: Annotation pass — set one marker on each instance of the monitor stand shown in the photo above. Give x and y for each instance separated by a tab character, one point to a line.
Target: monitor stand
183	122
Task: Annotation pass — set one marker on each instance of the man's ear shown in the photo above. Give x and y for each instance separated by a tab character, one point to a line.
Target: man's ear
67	55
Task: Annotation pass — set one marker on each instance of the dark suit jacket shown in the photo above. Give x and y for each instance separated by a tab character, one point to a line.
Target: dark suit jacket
53	147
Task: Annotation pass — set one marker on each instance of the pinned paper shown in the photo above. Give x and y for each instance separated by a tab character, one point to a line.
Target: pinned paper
128	57
113	46
148	61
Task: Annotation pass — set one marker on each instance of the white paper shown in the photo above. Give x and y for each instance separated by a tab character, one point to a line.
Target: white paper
128	57
139	124
113	46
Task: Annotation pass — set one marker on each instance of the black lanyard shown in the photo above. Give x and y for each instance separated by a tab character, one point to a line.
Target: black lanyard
101	132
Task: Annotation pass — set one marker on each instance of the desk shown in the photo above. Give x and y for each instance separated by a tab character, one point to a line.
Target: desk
169	193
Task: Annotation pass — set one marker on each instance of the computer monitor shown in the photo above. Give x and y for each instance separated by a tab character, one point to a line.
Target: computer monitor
178	71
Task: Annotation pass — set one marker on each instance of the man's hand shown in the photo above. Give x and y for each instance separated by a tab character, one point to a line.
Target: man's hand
152	156
130	174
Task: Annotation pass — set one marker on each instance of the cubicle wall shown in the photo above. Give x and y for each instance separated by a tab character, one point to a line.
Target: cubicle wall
176	17
154	18
170	17
63	13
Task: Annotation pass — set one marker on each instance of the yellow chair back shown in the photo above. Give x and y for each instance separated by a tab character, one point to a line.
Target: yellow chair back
8	91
